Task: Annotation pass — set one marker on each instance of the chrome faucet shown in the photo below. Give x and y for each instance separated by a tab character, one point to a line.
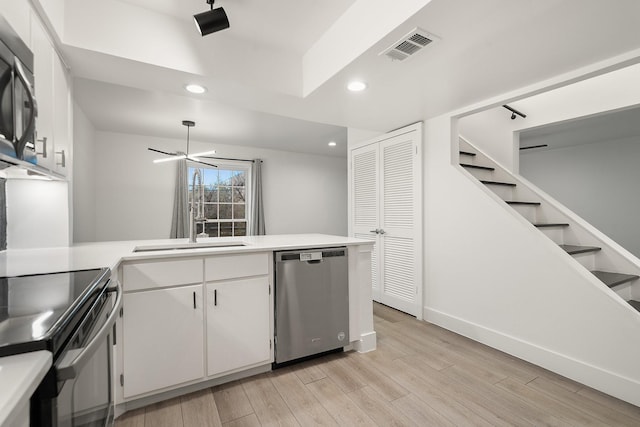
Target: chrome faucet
196	210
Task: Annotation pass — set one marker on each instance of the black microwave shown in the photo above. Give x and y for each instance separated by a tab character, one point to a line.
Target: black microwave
18	107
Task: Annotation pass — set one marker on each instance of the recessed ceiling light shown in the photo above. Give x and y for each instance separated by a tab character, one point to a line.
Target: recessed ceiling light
332	144
194	88
356	86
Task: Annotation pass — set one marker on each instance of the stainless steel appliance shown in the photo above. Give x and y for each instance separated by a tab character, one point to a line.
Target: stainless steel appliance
311	303
18	108
71	314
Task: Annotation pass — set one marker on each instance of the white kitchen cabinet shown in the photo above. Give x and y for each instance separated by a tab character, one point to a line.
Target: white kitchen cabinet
163	339
385	206
61	115
52	88
238	324
43	72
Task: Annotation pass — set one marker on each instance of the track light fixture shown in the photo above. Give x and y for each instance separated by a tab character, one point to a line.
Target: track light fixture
514	113
212	20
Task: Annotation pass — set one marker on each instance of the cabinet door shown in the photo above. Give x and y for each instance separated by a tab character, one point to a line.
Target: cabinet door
163	339
43	54
365	204
238	329
61	115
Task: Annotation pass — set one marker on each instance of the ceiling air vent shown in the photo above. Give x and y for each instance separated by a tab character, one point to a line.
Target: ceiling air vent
409	45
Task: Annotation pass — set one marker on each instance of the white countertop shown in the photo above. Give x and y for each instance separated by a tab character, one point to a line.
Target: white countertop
110	254
20	375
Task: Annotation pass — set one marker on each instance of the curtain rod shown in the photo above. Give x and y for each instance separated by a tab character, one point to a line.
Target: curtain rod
228	158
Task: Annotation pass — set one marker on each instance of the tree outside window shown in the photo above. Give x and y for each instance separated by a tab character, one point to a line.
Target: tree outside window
225	199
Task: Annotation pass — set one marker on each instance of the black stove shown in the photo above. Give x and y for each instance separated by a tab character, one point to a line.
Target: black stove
41	311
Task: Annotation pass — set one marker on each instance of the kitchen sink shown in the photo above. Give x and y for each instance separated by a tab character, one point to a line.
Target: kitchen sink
182	246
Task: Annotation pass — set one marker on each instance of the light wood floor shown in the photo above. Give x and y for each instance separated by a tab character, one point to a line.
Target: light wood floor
420	375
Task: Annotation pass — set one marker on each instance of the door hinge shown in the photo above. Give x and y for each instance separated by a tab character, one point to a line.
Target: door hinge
270	344
416	150
122	380
121	311
269	288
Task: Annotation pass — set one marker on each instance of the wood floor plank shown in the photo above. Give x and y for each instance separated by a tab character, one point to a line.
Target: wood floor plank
310	371
246	421
338	404
164	414
420	413
381	383
507	401
343	376
545	403
199	409
611	402
133	418
492	411
267	403
381	411
607	415
232	402
302	403
389	314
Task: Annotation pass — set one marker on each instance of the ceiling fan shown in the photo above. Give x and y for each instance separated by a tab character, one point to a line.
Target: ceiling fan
178	156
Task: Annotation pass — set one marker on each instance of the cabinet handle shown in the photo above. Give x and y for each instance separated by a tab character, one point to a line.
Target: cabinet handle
44	147
63	159
215	297
194	300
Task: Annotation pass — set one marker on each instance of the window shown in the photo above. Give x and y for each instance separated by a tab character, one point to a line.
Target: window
226	193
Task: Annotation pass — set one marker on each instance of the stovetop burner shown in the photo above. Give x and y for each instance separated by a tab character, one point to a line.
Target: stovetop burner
38	312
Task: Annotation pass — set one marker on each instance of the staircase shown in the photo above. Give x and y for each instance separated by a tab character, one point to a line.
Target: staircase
604	262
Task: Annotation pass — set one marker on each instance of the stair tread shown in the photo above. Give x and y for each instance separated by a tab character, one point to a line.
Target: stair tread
467	153
508	184
518	202
635	304
574	249
486	168
551	224
614	279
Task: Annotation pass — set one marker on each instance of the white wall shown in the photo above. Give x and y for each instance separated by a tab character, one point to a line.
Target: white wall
134	197
492	277
84	191
598	181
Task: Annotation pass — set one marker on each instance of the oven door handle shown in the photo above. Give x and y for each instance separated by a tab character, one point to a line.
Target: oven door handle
71	371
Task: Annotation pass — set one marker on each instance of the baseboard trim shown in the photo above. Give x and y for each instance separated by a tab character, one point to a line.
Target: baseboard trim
608	382
367	342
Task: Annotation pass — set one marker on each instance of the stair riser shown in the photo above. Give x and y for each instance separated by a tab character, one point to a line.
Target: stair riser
527	211
555	234
587	260
481	174
624	291
505	193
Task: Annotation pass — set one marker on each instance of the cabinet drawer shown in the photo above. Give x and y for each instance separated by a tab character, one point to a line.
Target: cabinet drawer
159	274
235	266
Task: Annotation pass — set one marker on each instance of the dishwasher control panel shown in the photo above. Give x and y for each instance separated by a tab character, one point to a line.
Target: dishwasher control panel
311	256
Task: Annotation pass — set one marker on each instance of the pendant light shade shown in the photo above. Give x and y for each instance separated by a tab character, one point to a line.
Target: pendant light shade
212	20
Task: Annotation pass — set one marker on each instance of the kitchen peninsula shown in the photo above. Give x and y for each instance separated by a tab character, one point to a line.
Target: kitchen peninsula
141	267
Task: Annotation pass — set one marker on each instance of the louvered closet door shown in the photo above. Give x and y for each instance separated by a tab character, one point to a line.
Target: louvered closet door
400	221
365	204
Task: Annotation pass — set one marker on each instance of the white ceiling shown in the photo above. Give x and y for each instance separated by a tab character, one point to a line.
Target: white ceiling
254	70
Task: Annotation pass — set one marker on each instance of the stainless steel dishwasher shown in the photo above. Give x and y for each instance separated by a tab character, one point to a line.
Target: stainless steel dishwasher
311	303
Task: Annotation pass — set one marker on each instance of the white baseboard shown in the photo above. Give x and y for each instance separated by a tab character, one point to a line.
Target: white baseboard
608	382
367	342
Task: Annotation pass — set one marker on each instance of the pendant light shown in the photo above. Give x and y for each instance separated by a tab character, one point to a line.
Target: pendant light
178	156
212	20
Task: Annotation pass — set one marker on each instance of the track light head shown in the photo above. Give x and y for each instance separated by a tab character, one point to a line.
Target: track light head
513	116
212	20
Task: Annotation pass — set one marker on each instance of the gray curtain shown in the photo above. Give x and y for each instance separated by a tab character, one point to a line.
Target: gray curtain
256	227
180	221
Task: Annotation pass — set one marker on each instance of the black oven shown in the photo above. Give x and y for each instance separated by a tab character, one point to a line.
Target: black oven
18	108
72	314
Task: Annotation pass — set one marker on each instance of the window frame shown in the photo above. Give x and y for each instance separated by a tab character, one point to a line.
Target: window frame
247	168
